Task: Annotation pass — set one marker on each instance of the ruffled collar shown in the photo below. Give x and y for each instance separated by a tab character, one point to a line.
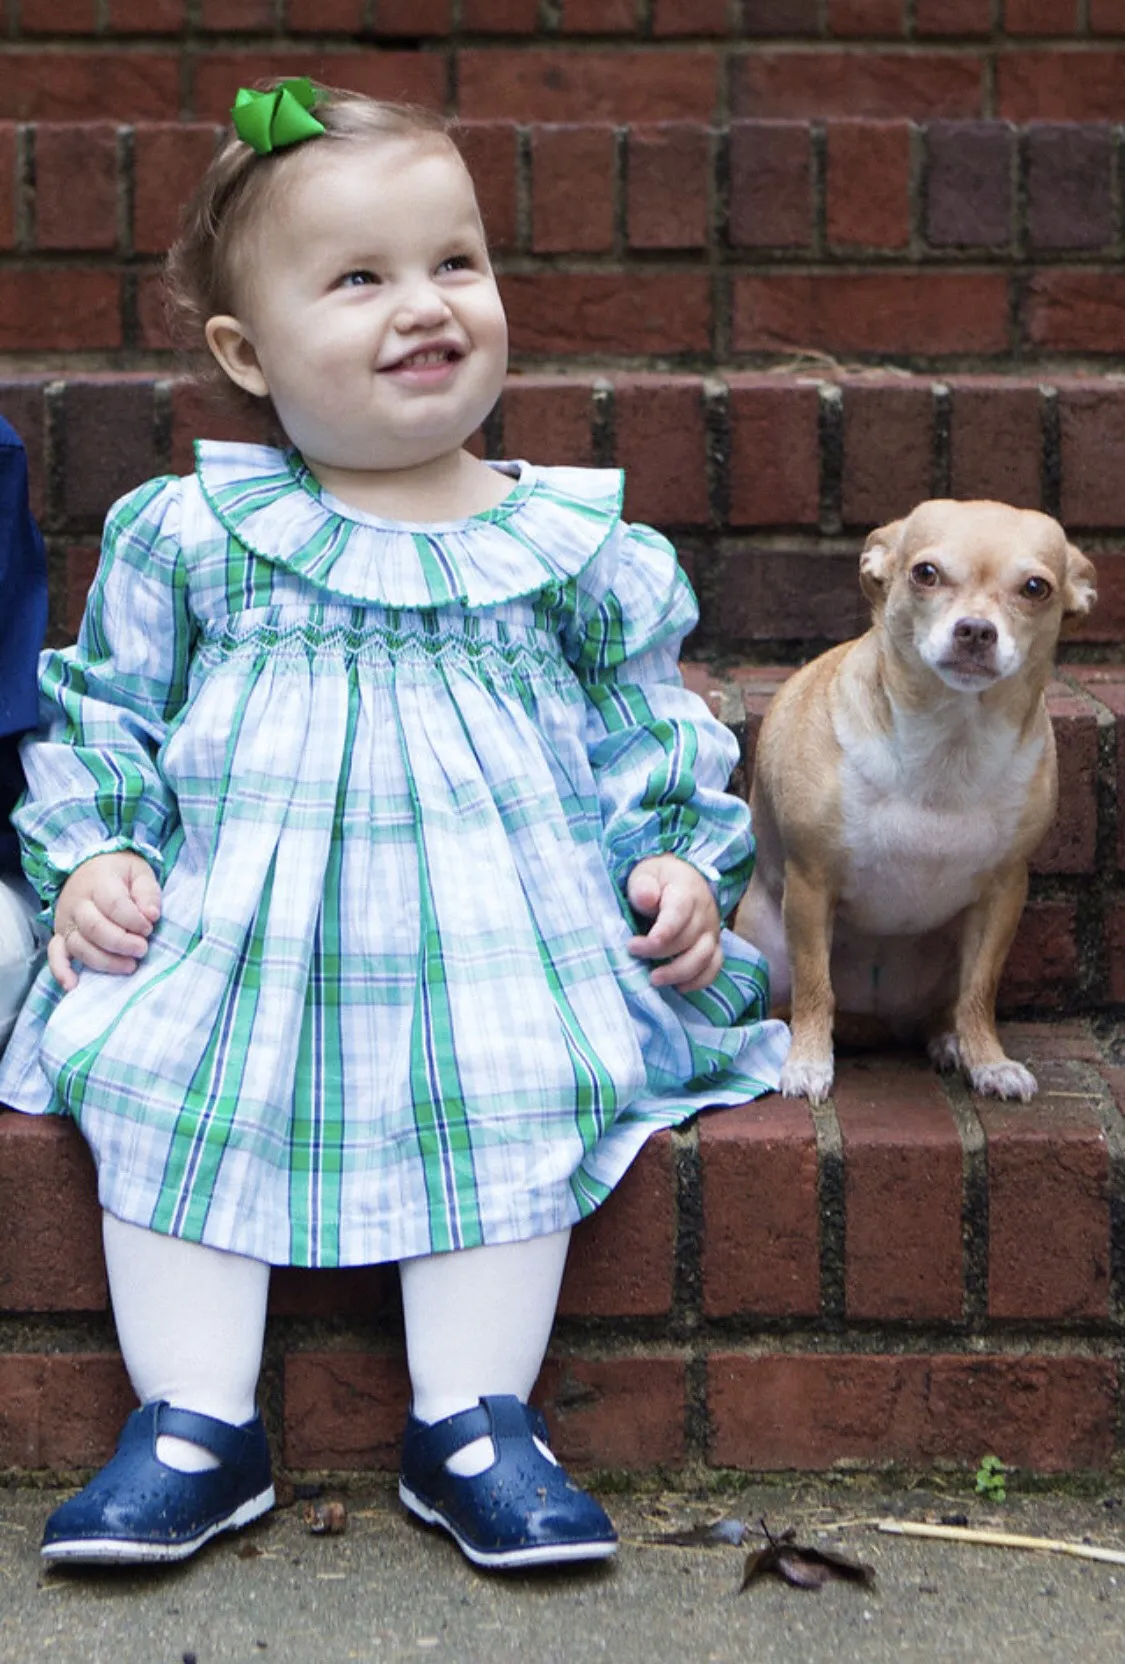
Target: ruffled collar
548	529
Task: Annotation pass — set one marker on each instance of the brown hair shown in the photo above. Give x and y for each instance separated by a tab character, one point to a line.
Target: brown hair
200	269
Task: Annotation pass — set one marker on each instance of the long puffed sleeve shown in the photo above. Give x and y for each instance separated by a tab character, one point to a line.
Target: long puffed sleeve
105	705
660	759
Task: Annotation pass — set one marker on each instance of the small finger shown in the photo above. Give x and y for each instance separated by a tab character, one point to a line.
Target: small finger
146	893
643	890
676	928
706	977
59	962
103	932
679	915
695	968
117	904
96	959
709	972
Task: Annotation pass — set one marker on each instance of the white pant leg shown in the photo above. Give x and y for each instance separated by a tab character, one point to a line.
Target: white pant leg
478	1322
190	1324
21	947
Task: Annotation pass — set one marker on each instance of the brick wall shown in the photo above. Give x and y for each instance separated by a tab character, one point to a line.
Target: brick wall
668	241
794	263
766	479
934	181
673	188
580	59
674	242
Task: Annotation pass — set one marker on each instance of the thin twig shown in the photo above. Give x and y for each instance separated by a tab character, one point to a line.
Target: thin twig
1003	1539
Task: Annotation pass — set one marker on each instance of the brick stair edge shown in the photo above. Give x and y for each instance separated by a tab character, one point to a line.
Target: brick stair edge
771	1289
817	453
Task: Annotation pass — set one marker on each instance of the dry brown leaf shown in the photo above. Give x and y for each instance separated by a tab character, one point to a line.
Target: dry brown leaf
325	1519
800	1565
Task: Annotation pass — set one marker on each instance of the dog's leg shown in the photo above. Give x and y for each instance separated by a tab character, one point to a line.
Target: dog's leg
943	1047
989	928
808	910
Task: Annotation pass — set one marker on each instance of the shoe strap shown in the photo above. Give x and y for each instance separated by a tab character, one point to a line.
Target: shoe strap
499	1417
511	1418
223	1440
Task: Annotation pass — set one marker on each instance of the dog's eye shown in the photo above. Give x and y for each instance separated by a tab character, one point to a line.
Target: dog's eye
1036	589
925	574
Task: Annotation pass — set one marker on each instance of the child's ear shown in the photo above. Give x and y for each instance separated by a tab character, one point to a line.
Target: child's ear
236	353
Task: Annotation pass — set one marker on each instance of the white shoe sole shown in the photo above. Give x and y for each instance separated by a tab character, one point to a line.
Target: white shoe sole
111	1551
542	1554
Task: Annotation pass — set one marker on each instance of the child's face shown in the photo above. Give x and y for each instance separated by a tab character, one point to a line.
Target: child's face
367	307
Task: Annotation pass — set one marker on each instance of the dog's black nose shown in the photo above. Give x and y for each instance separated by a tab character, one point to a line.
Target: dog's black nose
974	632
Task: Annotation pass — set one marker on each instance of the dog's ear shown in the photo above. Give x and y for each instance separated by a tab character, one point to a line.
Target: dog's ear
877	560
1080	586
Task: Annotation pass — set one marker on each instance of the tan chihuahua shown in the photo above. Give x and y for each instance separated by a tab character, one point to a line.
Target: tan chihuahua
901	782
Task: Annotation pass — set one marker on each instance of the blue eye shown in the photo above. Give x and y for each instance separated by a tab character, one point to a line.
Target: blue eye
357	279
456	263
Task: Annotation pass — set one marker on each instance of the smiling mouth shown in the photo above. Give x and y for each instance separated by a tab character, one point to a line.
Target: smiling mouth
432	358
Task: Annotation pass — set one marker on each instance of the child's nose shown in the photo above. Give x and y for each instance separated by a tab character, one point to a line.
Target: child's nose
422	307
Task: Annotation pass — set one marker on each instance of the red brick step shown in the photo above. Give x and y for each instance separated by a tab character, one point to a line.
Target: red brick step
909	1275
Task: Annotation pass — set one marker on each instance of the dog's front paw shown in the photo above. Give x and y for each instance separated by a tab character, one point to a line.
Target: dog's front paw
944	1051
806	1079
1004	1080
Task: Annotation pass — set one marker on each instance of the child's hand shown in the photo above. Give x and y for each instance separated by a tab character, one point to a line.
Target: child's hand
104	916
686	931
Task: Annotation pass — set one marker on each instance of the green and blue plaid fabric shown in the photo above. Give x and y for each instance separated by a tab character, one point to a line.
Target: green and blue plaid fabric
392	779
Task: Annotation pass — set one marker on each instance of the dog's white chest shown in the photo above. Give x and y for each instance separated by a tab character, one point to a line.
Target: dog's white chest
924	820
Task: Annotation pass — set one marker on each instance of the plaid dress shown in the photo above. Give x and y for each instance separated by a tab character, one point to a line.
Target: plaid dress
392	779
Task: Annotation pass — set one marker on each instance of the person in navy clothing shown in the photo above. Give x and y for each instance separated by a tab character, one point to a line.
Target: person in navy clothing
23	620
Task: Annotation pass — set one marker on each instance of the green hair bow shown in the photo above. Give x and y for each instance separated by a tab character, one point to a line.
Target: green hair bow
271	120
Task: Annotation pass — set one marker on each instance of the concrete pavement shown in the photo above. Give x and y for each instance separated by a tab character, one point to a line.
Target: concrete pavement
388	1592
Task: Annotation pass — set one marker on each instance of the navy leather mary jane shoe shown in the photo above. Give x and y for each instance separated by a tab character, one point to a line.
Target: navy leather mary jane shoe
139	1510
523	1510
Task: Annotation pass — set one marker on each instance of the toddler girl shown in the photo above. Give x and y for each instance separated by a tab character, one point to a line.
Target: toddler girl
386	854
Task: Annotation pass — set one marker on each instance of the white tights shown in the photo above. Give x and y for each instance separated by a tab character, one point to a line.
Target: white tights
478	1321
190	1323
